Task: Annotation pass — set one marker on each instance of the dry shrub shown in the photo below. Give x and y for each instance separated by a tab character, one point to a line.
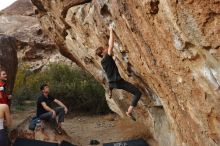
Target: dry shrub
76	88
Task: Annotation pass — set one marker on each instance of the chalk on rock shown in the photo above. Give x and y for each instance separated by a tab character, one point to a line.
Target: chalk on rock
112	25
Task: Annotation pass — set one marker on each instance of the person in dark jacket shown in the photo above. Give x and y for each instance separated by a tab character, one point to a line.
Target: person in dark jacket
114	78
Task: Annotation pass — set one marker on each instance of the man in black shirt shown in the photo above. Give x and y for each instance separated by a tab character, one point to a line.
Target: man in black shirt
45	112
114	78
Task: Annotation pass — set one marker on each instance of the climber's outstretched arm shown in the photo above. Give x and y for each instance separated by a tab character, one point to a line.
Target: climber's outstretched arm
111	42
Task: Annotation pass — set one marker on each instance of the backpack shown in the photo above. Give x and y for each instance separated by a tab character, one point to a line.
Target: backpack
34	121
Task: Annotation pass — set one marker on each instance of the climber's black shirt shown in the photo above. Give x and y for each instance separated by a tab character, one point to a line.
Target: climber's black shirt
111	70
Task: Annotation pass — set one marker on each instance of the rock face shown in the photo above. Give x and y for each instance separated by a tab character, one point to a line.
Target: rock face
20	7
33	46
8	58
169	48
49	135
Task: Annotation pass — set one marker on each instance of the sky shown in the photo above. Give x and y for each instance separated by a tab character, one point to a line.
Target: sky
5	3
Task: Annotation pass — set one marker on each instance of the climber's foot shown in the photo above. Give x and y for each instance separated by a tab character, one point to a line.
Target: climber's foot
130	115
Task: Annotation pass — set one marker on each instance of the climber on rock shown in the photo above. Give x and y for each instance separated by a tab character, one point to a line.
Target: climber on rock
114	79
46	113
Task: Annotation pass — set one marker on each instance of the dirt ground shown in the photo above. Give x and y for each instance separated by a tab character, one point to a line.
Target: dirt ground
104	128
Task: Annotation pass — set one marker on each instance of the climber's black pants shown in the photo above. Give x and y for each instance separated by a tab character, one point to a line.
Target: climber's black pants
122	84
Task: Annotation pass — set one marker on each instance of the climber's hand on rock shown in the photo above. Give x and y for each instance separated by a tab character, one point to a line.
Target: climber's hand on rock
111	26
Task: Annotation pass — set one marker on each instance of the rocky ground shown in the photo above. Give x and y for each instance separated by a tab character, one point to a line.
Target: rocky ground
104	128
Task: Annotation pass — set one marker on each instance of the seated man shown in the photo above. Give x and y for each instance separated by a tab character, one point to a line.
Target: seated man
45	112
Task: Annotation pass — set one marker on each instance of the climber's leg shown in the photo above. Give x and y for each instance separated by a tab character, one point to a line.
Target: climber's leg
122	84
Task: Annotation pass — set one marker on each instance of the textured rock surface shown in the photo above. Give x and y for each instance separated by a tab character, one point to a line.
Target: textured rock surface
20	7
49	135
169	48
34	47
8	58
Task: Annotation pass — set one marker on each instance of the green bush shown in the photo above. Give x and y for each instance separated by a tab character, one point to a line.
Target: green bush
75	87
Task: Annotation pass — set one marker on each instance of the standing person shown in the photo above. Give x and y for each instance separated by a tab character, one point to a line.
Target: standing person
4	97
5	117
114	78
45	112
